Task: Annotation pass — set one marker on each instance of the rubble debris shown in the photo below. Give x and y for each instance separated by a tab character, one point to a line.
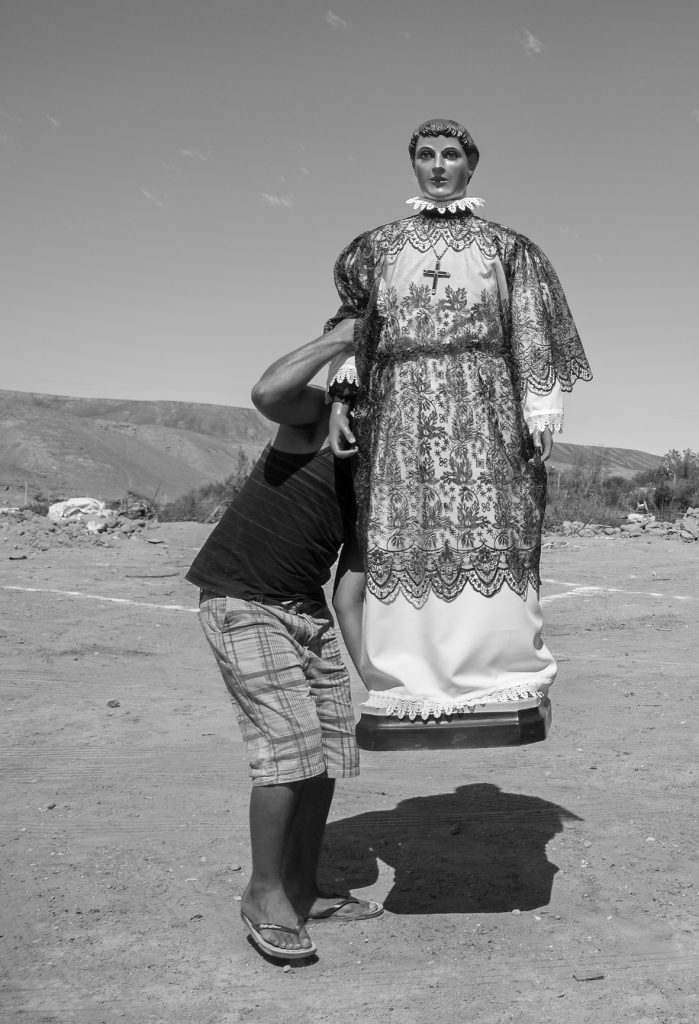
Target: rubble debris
636	525
25	531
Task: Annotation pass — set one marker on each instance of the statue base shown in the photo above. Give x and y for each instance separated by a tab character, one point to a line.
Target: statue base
456	732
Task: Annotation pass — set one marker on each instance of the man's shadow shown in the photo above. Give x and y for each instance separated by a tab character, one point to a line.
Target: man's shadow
477	850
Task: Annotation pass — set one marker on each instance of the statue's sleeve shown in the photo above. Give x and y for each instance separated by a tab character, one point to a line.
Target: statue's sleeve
542	411
546	347
342	384
355	274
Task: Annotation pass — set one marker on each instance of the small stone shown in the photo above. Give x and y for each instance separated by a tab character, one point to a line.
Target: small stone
113	704
516	911
286	968
50	807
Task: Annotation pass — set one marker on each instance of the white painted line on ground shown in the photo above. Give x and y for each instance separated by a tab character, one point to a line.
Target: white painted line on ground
578	589
101	597
575	591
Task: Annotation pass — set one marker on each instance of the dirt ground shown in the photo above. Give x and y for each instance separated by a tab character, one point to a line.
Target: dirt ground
536	884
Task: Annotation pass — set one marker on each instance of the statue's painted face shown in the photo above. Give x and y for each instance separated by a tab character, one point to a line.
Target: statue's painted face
441	168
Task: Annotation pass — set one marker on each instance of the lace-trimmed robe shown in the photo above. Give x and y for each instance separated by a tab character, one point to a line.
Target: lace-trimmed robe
453	371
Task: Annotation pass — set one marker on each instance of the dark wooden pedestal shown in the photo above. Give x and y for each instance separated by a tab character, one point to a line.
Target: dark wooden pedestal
490	729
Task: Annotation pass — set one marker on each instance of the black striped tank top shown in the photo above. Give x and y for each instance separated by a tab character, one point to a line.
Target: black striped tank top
280	536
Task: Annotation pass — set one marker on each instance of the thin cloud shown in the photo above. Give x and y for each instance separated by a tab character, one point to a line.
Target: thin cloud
152	198
695	115
9	116
9	141
336	21
284	202
196	154
53	122
530	43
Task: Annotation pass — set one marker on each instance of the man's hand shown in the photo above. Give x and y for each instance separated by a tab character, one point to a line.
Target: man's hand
342	440
543	444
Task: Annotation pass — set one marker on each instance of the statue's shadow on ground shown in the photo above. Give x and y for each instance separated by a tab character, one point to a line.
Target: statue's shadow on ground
477	850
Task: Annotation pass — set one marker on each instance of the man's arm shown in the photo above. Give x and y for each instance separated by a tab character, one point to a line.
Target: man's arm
348	599
283	394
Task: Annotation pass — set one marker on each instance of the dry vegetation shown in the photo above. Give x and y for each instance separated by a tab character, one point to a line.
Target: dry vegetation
587	493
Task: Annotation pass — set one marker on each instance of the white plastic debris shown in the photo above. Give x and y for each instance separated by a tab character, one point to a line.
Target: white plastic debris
77	509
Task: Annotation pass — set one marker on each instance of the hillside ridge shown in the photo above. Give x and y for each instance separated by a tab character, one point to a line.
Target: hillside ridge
103	447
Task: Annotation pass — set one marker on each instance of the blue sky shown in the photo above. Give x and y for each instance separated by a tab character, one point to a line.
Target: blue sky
176	180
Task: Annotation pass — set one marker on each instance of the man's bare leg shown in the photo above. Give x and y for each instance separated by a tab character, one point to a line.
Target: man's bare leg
272	813
303	853
304	845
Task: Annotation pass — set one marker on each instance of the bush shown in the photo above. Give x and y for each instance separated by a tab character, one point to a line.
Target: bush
586	494
39	506
208	503
581	508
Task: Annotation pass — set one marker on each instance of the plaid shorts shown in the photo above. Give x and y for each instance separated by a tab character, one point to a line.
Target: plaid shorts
289	686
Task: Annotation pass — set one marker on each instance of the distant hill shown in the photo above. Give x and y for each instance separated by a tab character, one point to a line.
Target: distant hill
618	461
105	447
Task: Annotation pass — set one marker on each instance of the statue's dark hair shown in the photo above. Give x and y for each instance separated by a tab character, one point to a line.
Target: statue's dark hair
452	129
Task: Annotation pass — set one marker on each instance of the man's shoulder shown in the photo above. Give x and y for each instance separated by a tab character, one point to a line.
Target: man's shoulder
305	438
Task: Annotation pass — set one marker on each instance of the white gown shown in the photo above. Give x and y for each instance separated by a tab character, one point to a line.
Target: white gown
452	373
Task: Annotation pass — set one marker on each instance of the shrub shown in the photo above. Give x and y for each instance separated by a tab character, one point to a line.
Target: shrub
207	504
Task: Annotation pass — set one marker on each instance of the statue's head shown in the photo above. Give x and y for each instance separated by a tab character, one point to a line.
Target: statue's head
444	156
437	126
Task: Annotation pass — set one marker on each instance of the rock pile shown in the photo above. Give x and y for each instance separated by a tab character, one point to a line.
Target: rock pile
686	528
689	524
22	531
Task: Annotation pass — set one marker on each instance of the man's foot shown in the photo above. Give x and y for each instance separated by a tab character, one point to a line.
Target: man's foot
343	908
281	932
274	925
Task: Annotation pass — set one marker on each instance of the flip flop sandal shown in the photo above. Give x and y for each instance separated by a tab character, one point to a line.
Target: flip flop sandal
335	912
275	951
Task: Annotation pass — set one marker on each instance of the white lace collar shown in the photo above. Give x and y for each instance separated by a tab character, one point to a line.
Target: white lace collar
421	203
